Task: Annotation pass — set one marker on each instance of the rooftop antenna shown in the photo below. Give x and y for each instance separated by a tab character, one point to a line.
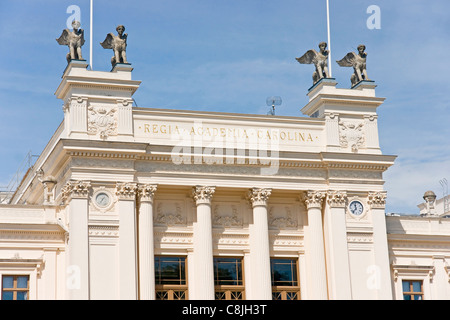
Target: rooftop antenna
273	101
444	184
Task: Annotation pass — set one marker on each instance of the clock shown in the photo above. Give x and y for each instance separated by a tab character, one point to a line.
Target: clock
356	208
102	200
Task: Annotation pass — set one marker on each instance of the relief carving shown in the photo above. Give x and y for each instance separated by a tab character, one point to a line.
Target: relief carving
227	220
169	218
351	135
102	121
283	221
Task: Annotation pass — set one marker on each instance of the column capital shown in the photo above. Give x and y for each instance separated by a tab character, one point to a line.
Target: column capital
377	199
314	199
203	194
76	189
336	198
126	190
146	192
259	196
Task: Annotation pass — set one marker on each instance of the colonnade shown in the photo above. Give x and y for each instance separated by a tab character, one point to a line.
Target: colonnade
325	248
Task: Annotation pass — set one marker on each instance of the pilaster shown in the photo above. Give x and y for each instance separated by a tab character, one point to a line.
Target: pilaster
76	195
377	203
338	266
128	285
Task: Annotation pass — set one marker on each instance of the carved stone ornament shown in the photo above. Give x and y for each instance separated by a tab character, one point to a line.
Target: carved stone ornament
357	61
259	197
102	121
227	221
74	40
320	61
377	199
337	198
282	222
203	195
126	191
146	192
169	218
76	189
351	134
314	199
118	44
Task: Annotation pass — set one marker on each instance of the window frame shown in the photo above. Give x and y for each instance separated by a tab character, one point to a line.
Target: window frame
15	289
172	289
413	293
228	291
284	291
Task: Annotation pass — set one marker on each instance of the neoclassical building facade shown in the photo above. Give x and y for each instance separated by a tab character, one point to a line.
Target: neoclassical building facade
140	203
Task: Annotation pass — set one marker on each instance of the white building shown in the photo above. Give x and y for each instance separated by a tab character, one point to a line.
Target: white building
139	203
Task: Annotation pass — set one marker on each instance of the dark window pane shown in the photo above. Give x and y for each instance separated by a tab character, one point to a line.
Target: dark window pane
406	297
228	271
417	286
284	272
170	270
8	295
8	282
22	295
406	286
418	297
22	282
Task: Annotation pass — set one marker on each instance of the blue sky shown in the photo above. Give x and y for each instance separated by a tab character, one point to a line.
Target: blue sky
229	56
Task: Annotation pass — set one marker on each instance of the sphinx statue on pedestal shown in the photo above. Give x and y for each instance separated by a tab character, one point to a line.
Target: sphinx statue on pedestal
319	59
118	44
358	62
74	40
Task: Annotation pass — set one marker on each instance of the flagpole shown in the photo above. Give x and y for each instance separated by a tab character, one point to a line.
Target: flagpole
329	39
92	32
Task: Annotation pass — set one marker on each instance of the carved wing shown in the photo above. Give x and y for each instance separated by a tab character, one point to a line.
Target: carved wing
81	31
348	61
308	58
64	38
109	42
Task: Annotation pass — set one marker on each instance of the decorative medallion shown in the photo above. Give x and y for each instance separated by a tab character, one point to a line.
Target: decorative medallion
351	135
102	121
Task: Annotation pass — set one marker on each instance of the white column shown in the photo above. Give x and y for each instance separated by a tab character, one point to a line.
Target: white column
203	248
128	286
377	203
259	245
337	258
316	249
146	243
77	270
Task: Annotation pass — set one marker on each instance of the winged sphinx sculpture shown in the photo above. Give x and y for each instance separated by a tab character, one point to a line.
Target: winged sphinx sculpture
74	40
319	59
118	44
358	62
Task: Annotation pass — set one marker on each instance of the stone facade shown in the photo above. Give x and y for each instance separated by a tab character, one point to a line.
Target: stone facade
130	184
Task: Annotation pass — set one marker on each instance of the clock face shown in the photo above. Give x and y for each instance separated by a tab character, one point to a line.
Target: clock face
102	200
356	208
